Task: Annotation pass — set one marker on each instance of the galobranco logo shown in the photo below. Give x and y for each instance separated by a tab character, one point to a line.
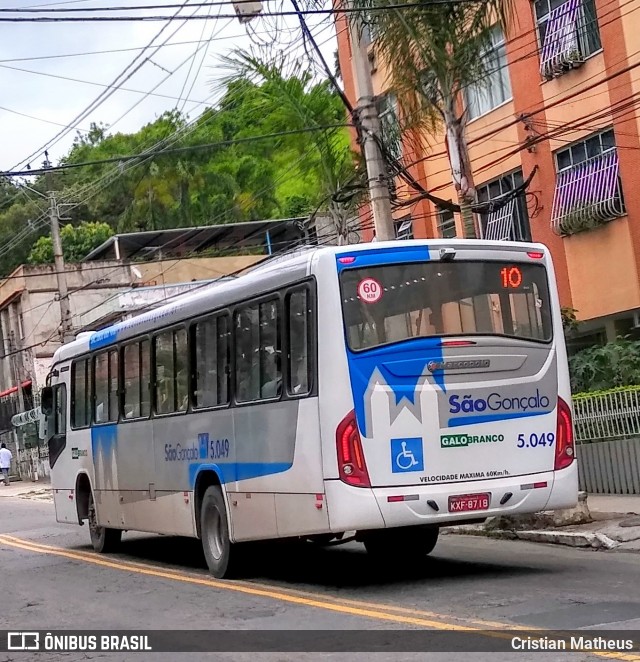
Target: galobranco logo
432	366
458	440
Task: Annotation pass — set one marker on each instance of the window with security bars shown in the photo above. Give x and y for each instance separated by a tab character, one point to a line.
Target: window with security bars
404	228
588	187
509	221
568	32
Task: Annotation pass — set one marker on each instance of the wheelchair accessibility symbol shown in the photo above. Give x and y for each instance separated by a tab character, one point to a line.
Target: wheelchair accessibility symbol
407	455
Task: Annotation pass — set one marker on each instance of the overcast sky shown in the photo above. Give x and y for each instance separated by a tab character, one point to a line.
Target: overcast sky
58	100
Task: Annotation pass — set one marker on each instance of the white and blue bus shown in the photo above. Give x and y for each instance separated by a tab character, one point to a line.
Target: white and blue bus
379	391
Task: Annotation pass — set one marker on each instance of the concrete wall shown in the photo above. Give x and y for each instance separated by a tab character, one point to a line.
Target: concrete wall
30	311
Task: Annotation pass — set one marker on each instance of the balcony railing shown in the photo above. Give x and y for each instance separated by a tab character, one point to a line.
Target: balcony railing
569	38
587	195
499	224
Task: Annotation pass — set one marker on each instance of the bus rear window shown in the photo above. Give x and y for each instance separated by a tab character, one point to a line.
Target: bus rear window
396	302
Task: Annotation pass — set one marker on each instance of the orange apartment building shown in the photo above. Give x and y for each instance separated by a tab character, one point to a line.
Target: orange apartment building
564	97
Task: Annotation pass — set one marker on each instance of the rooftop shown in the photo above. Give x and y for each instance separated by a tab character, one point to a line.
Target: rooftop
272	236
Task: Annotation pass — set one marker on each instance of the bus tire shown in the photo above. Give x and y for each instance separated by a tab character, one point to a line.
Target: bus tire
103	539
221	554
411	541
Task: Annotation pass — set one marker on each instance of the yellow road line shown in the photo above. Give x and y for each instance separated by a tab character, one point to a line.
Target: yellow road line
90	556
318	601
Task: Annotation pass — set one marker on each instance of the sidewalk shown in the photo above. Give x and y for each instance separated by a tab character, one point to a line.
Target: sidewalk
27	489
610	506
601	521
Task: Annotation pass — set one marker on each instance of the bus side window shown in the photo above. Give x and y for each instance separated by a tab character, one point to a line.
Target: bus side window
210	342
171	375
145	378
258	362
100	387
298	316
180	355
80	391
247	360
164	373
60	408
131	380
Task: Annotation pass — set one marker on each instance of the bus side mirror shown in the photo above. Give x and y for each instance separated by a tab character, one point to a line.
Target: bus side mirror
46	401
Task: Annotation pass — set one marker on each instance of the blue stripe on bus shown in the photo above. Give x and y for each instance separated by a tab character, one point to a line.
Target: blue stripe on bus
103	438
491	418
378	257
235	471
103	338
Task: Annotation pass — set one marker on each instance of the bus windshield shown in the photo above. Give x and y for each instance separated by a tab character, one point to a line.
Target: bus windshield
394	302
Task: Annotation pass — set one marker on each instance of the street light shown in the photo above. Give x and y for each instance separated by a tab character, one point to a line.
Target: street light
247	10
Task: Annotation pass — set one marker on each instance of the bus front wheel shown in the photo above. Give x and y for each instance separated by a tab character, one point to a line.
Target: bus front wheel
220	553
103	539
414	541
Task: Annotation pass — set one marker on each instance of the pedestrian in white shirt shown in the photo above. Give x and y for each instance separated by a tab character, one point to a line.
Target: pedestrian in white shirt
5	462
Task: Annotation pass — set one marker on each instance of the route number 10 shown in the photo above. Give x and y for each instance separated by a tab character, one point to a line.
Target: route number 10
511	277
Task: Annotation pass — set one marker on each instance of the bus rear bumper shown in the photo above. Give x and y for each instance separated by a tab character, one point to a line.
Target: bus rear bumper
354	508
438	504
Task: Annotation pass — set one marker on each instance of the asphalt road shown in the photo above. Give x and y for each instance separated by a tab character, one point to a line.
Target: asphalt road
52	580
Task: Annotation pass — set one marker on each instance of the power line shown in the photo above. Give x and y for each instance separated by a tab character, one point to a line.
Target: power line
146	156
174	150
106	94
307	12
110	51
181	133
27	10
534	53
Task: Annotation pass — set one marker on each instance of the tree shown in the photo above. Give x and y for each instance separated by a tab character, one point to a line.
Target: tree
232	180
433	52
77	243
300	102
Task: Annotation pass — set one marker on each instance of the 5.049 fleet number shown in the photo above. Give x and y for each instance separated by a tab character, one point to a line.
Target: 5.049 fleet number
218	448
535	440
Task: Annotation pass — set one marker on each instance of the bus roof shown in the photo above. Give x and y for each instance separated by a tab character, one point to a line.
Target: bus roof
275	271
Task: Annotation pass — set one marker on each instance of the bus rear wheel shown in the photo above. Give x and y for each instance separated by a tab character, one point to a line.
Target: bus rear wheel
221	554
410	541
103	539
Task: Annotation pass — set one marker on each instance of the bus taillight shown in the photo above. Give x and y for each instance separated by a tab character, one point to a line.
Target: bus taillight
351	465
565	449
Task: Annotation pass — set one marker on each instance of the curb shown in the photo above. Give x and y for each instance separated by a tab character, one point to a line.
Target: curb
568	538
571	539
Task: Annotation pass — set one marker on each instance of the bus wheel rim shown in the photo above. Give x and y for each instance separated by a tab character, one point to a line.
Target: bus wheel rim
93	524
214	533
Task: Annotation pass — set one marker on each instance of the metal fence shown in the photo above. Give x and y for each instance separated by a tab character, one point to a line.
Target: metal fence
607	429
607	415
610	467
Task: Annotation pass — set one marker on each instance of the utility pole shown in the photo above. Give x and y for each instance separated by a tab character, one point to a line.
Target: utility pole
58	258
370	124
17	373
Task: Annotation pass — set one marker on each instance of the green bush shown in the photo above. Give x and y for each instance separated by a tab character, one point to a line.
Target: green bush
610	366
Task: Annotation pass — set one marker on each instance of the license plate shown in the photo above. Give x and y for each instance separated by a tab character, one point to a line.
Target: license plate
469	502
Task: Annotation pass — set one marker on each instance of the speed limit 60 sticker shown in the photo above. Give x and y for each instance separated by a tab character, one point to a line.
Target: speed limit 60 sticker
369	290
